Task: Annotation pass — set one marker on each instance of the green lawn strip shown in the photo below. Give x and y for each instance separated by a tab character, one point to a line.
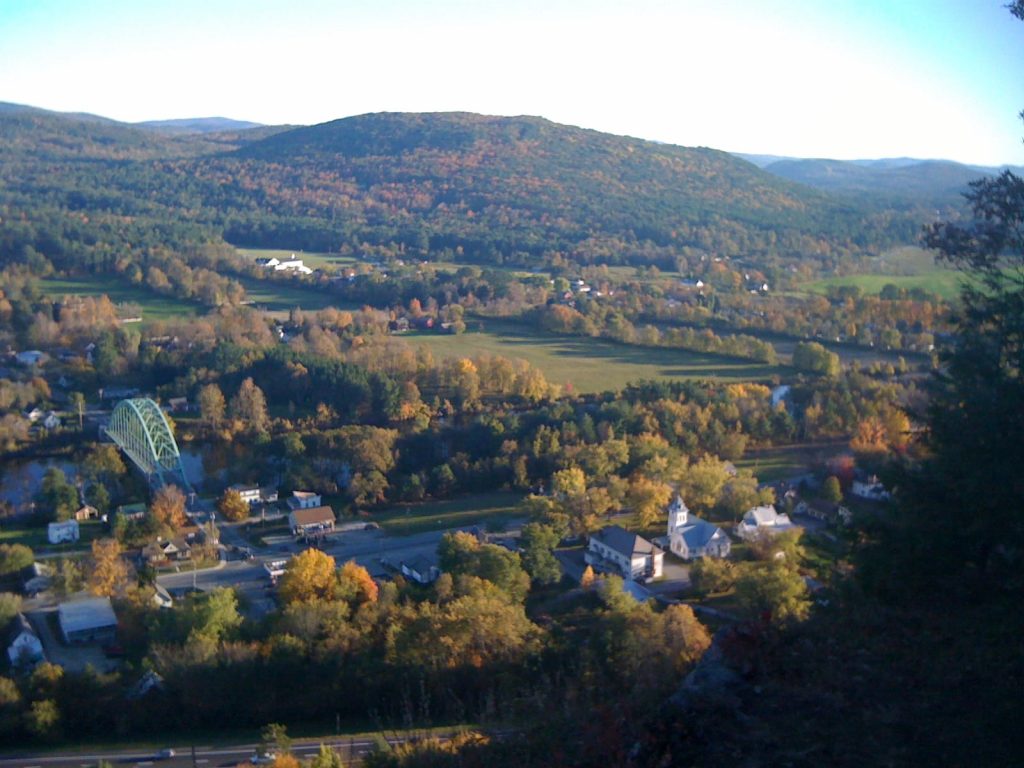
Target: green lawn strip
584	364
35	537
277	295
778	463
154	306
486	508
942	282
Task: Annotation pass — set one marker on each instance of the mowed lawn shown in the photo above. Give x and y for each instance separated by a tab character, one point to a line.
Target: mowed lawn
582	364
154	306
943	282
487	509
279	296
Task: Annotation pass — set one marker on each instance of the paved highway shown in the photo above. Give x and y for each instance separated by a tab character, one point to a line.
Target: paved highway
205	756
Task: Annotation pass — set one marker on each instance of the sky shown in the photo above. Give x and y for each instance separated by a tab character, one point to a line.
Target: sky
841	79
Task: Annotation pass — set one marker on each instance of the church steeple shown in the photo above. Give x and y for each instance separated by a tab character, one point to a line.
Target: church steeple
678	514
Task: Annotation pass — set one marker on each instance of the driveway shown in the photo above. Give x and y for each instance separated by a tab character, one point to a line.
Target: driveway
73	658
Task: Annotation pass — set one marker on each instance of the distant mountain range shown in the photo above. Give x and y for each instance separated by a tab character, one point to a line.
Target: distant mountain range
939	182
198	125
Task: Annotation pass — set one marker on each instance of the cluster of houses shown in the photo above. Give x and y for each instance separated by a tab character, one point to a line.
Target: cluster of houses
81	621
613	549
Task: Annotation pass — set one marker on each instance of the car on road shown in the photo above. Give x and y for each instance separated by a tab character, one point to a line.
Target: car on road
263	758
164	754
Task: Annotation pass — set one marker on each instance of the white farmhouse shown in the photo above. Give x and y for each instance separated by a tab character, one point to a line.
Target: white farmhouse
23	645
617	550
690	537
58	533
763	519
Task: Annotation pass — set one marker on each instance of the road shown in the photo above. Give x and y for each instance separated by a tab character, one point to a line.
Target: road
205	756
368	548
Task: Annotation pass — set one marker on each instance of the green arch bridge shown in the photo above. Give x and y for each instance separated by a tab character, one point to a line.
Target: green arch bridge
140	429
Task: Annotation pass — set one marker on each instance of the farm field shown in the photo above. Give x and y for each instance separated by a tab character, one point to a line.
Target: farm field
779	463
591	365
943	282
277	296
478	509
154	306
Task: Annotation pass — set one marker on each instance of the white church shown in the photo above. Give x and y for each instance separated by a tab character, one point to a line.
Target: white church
690	537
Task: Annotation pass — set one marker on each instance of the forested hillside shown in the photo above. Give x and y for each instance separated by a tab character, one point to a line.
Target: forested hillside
435	186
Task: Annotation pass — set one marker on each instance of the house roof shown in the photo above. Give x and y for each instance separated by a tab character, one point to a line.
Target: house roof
16	627
624	542
312	516
83	615
763	515
698	533
421	564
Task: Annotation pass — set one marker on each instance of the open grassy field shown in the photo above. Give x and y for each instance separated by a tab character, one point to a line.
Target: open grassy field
487	509
154	305
781	462
591	365
943	282
276	296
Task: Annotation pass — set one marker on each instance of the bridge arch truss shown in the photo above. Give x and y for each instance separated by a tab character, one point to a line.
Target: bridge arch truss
140	429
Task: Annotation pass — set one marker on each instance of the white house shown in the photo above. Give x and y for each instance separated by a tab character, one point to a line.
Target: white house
51	420
289	264
617	550
58	533
250	493
303	500
690	536
870	489
23	645
420	569
31	357
763	519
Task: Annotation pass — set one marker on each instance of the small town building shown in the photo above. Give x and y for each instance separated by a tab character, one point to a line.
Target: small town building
91	620
250	493
58	533
312	521
51	420
177	404
870	489
87	512
690	537
35	578
763	520
303	500
23	645
164	551
420	569
162	598
616	550
31	357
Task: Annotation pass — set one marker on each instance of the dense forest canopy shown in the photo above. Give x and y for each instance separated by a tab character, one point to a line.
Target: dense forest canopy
437	186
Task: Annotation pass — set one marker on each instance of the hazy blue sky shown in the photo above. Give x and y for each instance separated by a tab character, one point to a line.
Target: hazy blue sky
811	78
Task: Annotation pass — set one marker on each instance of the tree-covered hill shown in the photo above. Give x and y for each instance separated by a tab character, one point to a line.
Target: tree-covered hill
519	190
497	187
